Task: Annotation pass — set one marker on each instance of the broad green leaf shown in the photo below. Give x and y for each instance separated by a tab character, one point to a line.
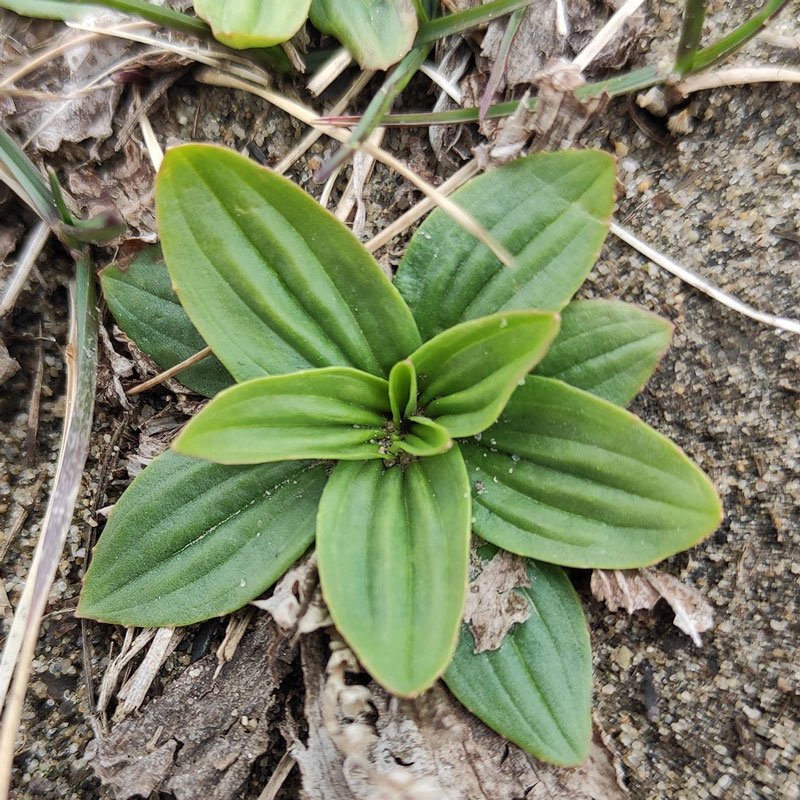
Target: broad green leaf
466	374
378	33
393	549
607	348
424	438
403	390
191	540
253	23
49	9
571	479
550	210
145	307
535	690
273	282
336	412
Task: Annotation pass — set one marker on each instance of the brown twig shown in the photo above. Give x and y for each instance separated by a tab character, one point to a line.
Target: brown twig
170	373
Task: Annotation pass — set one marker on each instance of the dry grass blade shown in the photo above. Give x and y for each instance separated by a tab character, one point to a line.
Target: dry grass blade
31	250
402	223
606	33
306	115
738	76
81	357
686	275
282	771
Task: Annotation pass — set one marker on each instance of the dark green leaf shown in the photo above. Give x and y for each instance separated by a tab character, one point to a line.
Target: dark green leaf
335	412
378	33
569	478
607	348
273	282
550	210
145	307
191	540
403	390
466	374
253	23
535	690
393	548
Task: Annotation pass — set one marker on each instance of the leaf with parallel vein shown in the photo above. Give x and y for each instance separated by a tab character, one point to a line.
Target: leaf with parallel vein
571	479
549	210
273	282
393	549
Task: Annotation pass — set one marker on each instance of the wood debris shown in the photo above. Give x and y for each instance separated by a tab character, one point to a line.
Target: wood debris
641	589
364	744
8	365
203	735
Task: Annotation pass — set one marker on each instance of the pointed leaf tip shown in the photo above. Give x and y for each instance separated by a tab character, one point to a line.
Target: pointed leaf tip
273	282
393	550
535	690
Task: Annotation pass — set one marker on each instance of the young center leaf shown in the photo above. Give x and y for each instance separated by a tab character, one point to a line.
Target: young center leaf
393	549
273	282
535	690
550	210
606	347
466	374
571	479
403	390
378	33
335	412
424	438
143	304
191	540
253	23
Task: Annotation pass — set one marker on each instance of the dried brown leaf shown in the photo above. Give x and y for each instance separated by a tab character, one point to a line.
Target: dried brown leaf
375	747
641	589
202	736
8	365
493	606
124	183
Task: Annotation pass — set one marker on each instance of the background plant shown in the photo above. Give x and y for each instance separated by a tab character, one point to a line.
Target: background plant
402	386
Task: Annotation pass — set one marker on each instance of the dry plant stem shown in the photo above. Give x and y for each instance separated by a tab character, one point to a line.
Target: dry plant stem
149	136
562	18
362	171
606	33
307	116
169	373
31	251
402	223
327	189
738	76
32	433
312	136
329	72
282	772
449	88
20	645
686	275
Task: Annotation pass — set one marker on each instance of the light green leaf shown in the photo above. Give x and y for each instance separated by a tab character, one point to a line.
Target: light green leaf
253	23
49	9
535	690
145	307
191	540
378	33
336	412
550	210
466	374
403	390
569	478
424	438
273	282
607	348
393	549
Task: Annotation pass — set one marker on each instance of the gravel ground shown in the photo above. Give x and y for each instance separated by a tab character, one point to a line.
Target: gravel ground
718	721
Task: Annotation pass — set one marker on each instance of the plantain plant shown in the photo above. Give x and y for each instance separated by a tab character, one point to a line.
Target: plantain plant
391	422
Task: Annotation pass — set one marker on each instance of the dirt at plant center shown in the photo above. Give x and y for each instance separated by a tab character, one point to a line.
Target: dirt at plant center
718	721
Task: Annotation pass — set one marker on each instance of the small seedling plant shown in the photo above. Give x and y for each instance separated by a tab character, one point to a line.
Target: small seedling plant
391	424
